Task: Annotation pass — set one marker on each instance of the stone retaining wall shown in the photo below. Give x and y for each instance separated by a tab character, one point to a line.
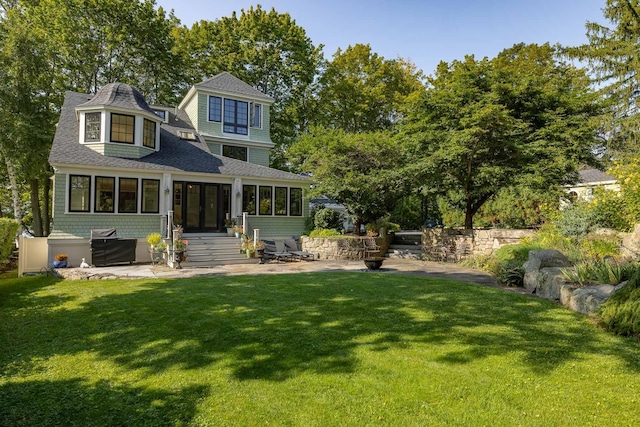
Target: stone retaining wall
452	245
337	248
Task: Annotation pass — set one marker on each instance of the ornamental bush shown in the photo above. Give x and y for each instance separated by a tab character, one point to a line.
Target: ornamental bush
620	314
8	231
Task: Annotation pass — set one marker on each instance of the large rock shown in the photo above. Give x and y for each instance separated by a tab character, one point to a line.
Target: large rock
631	244
543	269
587	300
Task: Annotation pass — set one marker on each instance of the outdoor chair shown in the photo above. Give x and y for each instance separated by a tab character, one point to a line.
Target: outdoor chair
292	247
271	251
370	247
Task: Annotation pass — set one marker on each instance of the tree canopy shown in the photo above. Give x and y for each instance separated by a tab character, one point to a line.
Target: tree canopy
484	125
612	55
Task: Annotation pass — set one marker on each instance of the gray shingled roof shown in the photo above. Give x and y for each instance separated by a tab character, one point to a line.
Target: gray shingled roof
228	83
119	95
589	176
175	154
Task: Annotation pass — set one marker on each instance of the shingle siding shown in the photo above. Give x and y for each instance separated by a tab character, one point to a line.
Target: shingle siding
277	226
125	151
259	156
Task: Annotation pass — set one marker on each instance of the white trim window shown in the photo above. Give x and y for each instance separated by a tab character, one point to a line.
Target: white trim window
92	127
256	115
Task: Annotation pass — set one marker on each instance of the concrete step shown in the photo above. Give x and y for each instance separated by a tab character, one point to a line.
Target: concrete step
404	253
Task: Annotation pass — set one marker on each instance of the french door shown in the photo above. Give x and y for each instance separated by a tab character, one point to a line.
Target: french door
201	207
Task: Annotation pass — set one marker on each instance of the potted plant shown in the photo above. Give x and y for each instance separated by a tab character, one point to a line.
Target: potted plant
238	229
179	251
154	239
248	246
230	224
60	261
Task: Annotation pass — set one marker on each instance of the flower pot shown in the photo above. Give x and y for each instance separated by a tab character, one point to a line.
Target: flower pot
373	263
249	253
238	234
230	231
60	264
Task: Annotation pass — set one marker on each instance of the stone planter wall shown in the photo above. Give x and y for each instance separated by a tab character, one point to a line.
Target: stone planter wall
452	245
341	248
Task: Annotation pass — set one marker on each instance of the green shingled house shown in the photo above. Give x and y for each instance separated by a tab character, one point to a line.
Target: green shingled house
120	163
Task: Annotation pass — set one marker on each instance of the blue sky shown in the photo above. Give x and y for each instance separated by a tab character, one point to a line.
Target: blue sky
425	32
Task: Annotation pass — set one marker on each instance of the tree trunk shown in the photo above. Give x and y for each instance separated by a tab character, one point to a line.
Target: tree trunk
46	204
13	183
356	226
468	219
35	207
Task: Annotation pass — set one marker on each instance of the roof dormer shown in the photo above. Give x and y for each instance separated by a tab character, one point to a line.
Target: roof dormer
118	122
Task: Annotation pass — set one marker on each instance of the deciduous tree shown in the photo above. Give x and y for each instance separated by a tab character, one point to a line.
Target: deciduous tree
484	125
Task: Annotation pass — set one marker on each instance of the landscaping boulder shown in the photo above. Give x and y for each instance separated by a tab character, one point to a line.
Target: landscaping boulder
631	244
543	272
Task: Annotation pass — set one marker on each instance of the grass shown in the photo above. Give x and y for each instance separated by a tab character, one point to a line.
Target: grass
311	349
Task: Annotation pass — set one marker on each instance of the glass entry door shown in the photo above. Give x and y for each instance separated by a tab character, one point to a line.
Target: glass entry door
202	209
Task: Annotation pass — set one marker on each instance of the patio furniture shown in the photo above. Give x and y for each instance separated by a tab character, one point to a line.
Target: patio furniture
271	251
107	248
370	247
292	247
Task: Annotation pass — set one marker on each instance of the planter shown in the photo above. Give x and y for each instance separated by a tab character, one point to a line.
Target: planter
373	263
249	253
230	231
238	234
60	264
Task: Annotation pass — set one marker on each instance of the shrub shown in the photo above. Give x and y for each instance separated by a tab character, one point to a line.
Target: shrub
600	271
326	218
325	232
8	231
620	314
576	220
600	246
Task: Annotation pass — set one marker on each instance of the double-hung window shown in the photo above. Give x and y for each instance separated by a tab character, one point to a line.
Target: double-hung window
236	116
122	128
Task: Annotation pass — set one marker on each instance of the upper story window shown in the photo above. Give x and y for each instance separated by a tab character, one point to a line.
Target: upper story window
239	153
215	109
149	134
256	115
92	127
122	128
163	114
236	116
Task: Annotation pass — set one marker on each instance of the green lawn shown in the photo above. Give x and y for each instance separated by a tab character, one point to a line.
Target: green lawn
310	350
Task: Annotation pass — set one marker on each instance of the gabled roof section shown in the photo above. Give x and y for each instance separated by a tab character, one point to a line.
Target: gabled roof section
119	95
226	83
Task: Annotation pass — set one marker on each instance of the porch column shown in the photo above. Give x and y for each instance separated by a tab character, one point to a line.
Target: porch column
236	198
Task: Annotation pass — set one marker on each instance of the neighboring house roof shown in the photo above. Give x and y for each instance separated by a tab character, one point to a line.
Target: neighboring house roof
594	176
119	95
225	82
175	154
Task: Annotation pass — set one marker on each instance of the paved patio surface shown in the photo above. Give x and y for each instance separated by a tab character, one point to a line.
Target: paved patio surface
390	266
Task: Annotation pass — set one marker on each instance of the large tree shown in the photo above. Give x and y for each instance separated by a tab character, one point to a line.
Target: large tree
49	46
523	117
612	54
360	170
269	51
361	91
